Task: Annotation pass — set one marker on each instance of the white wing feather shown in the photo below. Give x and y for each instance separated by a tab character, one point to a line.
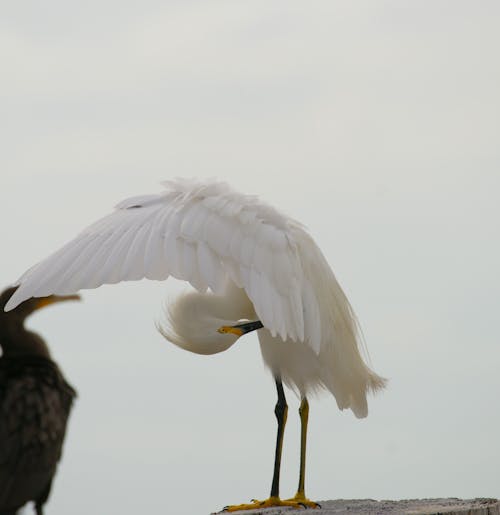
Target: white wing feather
201	232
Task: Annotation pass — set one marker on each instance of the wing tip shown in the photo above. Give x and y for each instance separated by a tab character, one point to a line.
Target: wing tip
14	301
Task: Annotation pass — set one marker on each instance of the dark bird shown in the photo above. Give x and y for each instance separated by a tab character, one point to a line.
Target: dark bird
35	401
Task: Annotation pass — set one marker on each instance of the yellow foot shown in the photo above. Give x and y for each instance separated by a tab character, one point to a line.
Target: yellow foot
304	501
271	502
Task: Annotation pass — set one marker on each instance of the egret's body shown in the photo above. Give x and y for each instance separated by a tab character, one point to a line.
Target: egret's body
246	261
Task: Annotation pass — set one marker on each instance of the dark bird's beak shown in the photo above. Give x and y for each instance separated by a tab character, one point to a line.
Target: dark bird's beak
52	299
241	329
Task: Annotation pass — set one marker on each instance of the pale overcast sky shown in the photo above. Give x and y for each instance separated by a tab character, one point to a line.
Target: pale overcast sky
374	123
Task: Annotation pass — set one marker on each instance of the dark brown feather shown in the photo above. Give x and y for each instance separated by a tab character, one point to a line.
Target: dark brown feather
35	402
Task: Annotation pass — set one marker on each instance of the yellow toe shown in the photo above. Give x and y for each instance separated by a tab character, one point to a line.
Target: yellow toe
271	502
303	501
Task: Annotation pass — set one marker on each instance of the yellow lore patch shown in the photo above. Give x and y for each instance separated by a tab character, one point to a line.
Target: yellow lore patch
228	329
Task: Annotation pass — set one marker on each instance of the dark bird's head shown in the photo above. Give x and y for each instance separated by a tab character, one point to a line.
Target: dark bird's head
14	338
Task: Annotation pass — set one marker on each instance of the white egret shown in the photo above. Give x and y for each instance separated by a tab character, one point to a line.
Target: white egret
252	267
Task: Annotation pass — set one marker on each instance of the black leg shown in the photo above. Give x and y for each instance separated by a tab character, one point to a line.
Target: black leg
281	411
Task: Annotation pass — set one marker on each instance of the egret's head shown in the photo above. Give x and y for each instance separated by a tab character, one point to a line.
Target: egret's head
201	323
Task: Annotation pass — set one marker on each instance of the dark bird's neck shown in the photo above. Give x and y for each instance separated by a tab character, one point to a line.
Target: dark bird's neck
17	341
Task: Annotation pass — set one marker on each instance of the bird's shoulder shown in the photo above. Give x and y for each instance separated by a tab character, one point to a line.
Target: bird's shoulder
184	197
35	401
40	369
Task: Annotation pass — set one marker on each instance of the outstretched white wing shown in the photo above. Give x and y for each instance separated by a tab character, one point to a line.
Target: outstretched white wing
201	232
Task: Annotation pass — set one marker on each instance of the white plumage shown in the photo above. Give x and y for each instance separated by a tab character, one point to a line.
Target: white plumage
256	261
246	261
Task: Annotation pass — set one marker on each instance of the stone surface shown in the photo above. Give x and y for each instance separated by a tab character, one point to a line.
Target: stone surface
406	507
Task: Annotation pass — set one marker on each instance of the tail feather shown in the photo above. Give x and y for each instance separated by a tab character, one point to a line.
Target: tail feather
343	369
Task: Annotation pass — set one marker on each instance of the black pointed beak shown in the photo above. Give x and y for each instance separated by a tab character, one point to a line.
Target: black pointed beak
248	327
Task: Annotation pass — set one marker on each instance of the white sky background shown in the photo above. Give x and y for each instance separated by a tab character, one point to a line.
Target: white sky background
374	123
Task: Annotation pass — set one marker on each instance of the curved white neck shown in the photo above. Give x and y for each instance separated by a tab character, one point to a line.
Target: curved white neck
193	319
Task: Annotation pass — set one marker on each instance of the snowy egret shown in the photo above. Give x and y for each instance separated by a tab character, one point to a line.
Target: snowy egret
252	268
35	401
